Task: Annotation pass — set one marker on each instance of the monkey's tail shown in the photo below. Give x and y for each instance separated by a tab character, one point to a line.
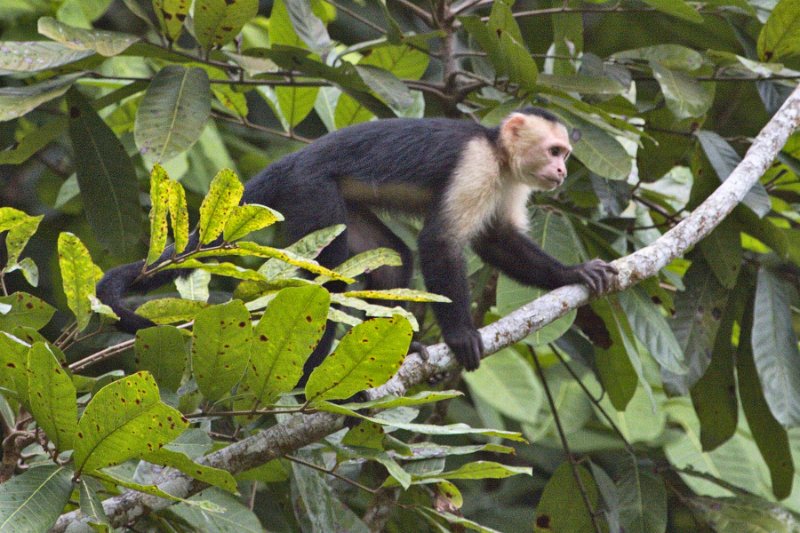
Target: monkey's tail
113	287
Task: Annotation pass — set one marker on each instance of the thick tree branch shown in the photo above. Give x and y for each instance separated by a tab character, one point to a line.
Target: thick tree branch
302	430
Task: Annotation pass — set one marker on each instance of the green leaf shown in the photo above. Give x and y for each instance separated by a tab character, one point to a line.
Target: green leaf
507	383
714	395
173	112
617	364
124	420
369	260
246	219
107	180
220	269
36	56
207	474
296	103
113	478
582	84
686	97
171	15
33	500
222	198
722	251
599	151
34	141
159	199
482	470
257	250
18	101
350	111
13	361
106	43
403	61
90	502
217	22
170	310
698	310
386	85
521	67
223	336
162	351
676	8
407	295
367	356
307	247
179	215
307	25
672	56
744	513
724	159
642	498
79	275
233	517
19	234
25	310
780	36
771	438
390	402
775	351
652	329
562	506
369	309
487	39
289	330
52	397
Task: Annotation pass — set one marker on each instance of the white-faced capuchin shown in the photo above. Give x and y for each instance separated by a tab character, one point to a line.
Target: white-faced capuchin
471	183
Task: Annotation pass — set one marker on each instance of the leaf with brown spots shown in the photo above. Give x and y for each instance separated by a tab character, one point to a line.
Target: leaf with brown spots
26	311
217	22
52	397
171	14
126	419
78	276
222	198
162	351
562	507
290	329
366	357
223	336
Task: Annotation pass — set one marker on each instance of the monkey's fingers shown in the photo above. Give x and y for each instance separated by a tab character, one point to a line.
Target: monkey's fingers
597	275
468	347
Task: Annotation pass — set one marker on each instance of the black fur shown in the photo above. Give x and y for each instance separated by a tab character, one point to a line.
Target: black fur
397	163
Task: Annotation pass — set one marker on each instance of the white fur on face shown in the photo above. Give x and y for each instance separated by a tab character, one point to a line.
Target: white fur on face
537	150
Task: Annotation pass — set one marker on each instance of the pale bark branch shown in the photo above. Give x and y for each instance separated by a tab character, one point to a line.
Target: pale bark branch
303	430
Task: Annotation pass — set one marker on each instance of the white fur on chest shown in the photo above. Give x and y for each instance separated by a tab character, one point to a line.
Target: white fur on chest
480	193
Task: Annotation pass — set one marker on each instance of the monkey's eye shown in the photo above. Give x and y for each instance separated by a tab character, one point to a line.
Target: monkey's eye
555	151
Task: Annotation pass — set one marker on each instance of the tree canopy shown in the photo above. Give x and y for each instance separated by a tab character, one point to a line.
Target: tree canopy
668	404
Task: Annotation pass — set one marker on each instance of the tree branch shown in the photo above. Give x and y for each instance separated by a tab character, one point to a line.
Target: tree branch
303	430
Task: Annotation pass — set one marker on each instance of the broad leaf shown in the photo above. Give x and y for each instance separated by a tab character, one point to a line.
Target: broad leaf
287	333
562	506
17	101
775	350
308	26
233	517
163	352
24	310
223	336
222	198
507	383
676	8
686	97
780	36
173	112
170	310
36	56
217	22
52	397
107	180
105	43
171	15
642	498
179	215
771	438
33	500
367	356
652	329
78	275
180	461
599	151
124	420
90	502
246	219
159	199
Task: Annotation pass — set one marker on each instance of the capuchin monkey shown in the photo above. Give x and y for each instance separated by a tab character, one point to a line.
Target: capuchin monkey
471	183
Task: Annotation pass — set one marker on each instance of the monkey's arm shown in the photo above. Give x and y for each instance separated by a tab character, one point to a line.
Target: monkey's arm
513	252
445	273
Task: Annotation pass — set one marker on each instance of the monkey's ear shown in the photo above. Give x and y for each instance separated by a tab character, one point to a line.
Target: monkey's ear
513	125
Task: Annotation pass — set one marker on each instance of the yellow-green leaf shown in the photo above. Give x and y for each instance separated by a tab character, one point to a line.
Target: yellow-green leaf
217	22
78	275
126	419
171	15
223	196
159	200
106	43
170	310
246	219
179	215
52	397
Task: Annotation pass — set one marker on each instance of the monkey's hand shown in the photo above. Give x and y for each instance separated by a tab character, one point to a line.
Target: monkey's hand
596	274
467	345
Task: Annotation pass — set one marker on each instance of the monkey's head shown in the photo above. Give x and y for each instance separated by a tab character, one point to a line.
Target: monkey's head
536	147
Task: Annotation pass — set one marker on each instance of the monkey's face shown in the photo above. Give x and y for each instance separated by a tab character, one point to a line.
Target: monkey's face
537	150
